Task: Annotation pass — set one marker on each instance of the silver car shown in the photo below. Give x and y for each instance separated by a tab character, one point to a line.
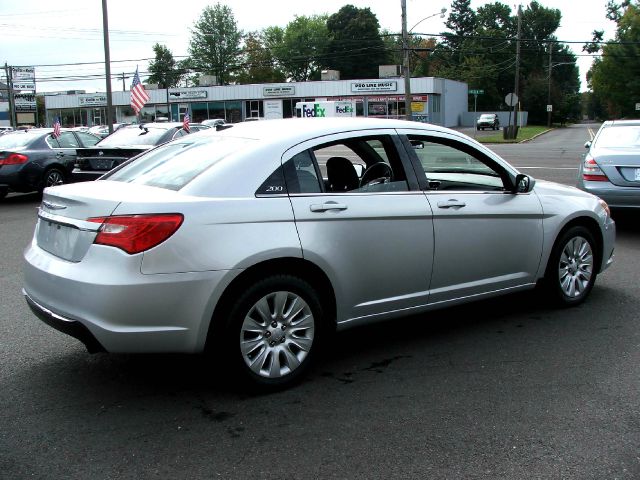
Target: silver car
611	167
255	241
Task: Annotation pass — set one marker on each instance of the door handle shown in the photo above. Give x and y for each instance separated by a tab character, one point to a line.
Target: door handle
453	203
327	206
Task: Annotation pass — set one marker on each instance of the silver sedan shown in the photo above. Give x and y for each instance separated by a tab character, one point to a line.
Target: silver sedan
255	241
611	167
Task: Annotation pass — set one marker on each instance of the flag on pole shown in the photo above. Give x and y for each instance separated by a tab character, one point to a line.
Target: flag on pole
56	127
138	94
185	121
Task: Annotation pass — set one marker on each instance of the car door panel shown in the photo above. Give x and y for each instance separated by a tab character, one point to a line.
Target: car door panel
486	238
376	247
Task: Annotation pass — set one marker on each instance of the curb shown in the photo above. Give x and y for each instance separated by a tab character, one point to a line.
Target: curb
535	136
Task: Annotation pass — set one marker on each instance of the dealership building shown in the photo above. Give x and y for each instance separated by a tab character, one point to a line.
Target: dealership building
434	100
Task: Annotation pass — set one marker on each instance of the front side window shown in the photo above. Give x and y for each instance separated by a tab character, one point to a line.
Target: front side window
453	166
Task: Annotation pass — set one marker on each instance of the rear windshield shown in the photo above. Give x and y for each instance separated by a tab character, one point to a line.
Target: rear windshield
627	136
175	164
16	140
133	136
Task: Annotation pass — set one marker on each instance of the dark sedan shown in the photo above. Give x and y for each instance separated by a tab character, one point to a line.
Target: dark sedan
33	159
125	143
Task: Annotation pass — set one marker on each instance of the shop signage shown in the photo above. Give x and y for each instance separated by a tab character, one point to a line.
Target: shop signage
24	86
279	91
23	78
92	100
375	86
25	102
183	95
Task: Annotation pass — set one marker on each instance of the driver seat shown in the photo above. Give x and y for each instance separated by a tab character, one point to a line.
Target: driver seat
341	175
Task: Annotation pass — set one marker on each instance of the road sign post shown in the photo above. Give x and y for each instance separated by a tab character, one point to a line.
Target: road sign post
475	93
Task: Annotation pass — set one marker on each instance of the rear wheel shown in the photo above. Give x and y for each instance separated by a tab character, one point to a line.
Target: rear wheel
571	271
274	331
53	177
3	192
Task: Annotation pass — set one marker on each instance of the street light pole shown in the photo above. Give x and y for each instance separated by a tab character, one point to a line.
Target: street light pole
549	91
107	64
405	62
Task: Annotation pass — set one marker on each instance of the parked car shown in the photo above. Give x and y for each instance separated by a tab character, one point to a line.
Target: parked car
5	130
488	120
213	122
124	143
33	159
611	167
255	241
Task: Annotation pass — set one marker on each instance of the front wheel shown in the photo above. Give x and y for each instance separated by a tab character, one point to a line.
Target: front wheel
572	268
273	331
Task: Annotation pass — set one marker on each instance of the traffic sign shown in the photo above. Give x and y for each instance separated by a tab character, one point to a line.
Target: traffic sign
476	92
637	106
511	99
549	108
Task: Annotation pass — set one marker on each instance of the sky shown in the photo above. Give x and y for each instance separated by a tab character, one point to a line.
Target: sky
58	37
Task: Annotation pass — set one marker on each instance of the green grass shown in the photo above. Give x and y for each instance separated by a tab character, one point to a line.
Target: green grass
524	133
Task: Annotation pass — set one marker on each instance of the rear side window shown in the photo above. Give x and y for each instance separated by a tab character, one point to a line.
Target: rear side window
175	164
301	174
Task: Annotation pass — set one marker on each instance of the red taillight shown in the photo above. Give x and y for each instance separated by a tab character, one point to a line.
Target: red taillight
591	171
136	233
14	159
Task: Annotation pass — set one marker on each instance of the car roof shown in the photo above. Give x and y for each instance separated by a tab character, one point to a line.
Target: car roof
294	130
621	123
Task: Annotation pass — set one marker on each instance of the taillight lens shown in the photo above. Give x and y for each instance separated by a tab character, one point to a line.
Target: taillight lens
136	233
14	159
592	172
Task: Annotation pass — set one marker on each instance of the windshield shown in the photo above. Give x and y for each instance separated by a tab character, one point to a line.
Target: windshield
627	136
133	136
175	164
486	117
16	140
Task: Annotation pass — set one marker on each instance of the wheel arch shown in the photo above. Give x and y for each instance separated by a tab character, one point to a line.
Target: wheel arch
298	267
592	225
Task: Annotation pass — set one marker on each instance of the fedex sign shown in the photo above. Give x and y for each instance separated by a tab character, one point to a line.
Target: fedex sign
325	109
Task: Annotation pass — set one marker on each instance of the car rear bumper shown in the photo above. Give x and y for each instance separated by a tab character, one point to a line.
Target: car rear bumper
65	325
616	197
107	298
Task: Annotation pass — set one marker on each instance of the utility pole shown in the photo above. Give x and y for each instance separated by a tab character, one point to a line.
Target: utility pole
405	62
107	64
517	80
12	104
549	90
123	79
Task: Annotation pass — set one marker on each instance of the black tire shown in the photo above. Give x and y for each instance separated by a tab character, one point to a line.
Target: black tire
3	192
572	268
287	342
52	177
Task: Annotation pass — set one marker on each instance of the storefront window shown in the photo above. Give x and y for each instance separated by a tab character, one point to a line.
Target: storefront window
233	112
377	109
216	110
199	112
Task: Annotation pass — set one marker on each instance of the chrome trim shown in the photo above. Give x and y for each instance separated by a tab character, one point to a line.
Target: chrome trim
69	222
46	311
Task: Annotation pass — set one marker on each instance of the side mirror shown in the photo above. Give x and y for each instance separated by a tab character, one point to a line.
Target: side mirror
524	183
587	145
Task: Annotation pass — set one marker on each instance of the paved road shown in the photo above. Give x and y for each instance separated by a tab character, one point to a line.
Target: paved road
504	389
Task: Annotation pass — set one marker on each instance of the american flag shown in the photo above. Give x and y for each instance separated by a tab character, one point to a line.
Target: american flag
185	122
56	127
138	94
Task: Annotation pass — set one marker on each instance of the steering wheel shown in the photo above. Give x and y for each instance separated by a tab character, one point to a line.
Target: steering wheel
377	173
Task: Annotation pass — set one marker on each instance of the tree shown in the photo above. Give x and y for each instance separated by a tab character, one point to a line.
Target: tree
259	62
614	77
300	47
355	46
214	48
163	68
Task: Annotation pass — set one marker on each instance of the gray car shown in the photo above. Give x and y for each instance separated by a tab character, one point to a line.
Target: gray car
611	167
256	241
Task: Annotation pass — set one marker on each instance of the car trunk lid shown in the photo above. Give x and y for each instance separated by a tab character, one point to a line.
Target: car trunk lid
63	227
621	166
